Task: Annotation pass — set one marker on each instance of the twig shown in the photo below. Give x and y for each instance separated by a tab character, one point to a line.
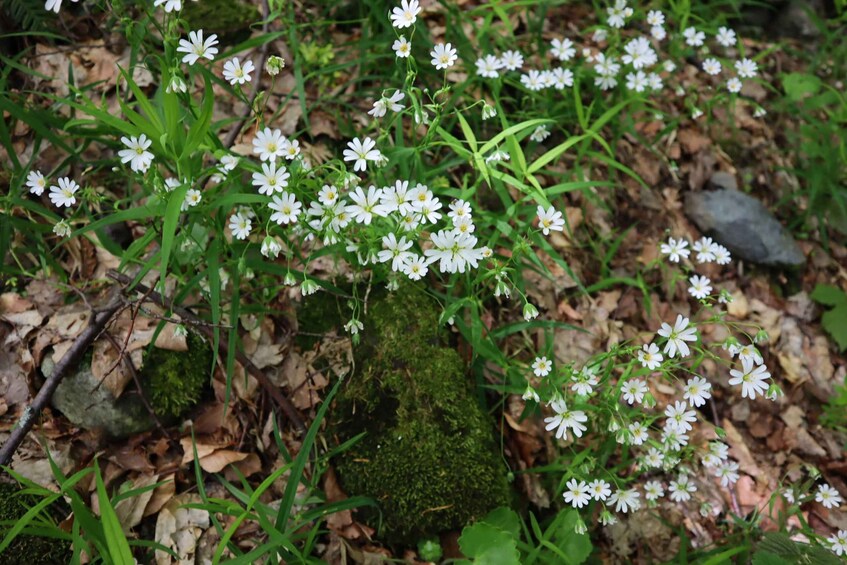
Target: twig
290	410
96	326
263	56
130	366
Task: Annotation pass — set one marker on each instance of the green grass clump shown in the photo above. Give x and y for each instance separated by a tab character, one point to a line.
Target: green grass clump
31	550
174	379
428	456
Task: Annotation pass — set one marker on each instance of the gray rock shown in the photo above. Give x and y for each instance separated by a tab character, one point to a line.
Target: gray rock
90	406
722	179
744	226
796	19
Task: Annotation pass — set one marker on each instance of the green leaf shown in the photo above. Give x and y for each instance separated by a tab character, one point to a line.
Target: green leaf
799	85
829	295
118	546
486	543
506	519
169	228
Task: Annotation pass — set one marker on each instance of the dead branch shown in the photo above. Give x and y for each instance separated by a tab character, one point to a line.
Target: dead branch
95	327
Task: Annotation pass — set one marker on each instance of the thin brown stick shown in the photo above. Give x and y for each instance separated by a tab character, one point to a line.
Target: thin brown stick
95	327
200	325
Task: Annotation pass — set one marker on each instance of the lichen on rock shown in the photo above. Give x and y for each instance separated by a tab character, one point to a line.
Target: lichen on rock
429	457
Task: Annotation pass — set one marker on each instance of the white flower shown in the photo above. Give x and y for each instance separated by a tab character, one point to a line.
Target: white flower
658	33
625	500
721	253
229	162
705	249
752	380
599	35
387	103
681	489
511	60
549	219
354	327
406	14
530	394
679	418
170	5
655	81
746	68
712	66
562	78
136	153
530	312
415	267
697	391
633	391
271	179
669	66
489	66
361	152
291	149
443	56
271	247
532	80
733	85
62	229
654	458
700	287
176	84
563	49
236	73
63	194
364	204
638	433
274	65
269	144
488	111
402	47
192	198
606	66
649	356
677	336
693	37
599	489
639	53
577	493
36	182
286	208
618	14
565	419
541	366
727	472
328	195
717	452
655	18
584	381
540	134
653	490
838	542
240	225
726	37
637	81
195	47
395	251
828	496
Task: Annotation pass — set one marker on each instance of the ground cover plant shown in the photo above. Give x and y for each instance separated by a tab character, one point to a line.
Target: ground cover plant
422	281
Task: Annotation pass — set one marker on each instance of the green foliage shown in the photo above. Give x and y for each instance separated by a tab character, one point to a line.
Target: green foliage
291	532
174	380
497	540
834	321
29	549
428	456
779	549
429	550
230	19
29	15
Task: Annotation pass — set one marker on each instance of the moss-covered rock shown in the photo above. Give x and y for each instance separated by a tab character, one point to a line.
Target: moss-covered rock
173	382
229	19
428	456
31	550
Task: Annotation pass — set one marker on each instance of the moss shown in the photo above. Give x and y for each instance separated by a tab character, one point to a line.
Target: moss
318	315
230	19
428	456
174	380
31	550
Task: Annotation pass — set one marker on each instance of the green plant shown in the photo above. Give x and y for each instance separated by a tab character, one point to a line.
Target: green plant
834	320
502	537
175	380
